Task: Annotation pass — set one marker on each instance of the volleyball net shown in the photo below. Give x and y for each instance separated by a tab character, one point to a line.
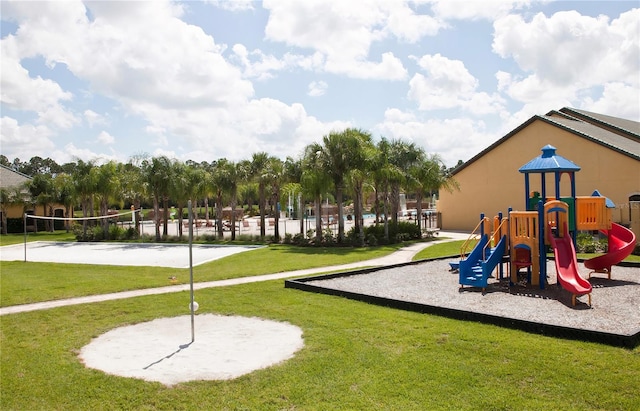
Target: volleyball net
91	218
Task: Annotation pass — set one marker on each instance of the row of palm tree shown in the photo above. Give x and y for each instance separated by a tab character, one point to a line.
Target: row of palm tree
344	165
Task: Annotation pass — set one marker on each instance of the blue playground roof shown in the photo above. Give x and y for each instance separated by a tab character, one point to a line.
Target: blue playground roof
548	162
609	203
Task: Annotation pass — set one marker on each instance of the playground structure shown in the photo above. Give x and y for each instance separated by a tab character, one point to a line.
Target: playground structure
522	238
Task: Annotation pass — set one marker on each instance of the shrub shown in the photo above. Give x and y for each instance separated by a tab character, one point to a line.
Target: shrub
130	234
115	232
402	231
586	243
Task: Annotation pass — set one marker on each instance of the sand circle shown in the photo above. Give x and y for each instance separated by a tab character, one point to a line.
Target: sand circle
225	347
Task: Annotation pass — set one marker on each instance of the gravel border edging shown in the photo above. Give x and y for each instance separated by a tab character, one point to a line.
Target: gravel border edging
609	338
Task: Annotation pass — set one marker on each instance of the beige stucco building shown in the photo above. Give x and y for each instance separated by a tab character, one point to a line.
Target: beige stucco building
11	180
607	150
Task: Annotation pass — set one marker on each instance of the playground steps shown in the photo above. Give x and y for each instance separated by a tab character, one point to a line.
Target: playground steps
475	271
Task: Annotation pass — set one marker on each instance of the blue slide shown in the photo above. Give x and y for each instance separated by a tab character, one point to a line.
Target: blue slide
476	269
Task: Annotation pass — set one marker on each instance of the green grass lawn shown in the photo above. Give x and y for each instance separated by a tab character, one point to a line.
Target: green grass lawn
27	282
10	239
356	356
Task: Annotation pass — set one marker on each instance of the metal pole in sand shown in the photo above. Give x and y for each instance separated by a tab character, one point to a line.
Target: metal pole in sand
193	334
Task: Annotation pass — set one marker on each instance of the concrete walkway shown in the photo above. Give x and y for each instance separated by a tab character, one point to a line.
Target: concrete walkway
403	255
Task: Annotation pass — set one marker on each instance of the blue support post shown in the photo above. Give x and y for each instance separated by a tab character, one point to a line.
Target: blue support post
526	192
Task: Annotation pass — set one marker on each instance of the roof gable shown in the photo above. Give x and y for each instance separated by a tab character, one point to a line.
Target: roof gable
605	133
627	128
10	178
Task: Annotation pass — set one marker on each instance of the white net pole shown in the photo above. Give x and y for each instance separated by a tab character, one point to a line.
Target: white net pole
25	237
192	305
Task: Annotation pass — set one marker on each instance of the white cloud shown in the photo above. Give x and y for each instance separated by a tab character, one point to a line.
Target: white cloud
259	65
394	115
317	88
475	10
71	153
20	91
106	138
616	99
233	5
94	118
567	56
453	139
24	140
343	33
403	22
448	84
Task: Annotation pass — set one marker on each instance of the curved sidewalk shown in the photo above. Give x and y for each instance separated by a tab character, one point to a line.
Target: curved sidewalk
403	255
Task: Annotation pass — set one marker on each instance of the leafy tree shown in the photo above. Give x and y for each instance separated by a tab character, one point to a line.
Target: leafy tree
260	175
315	182
357	177
65	190
84	189
221	184
134	186
275	176
108	188
337	158
403	156
43	193
157	173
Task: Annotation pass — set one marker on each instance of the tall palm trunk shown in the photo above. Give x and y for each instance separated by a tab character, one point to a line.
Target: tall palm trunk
234	200
219	215
318	204
262	207
340	214
156	216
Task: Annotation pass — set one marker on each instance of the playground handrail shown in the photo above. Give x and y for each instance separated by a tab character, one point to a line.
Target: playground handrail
465	245
497	231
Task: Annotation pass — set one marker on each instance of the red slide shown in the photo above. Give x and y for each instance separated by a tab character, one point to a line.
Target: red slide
567	267
621	243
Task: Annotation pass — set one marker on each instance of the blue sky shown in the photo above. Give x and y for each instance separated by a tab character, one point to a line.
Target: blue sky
205	80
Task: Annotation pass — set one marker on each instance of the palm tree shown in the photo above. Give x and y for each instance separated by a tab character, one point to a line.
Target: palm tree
361	168
259	174
66	195
275	176
42	192
293	176
384	173
235	174
315	182
84	189
221	183
134	186
337	159
403	156
108	187
157	173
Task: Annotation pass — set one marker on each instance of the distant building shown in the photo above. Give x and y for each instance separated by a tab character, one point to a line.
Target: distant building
10	180
606	148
